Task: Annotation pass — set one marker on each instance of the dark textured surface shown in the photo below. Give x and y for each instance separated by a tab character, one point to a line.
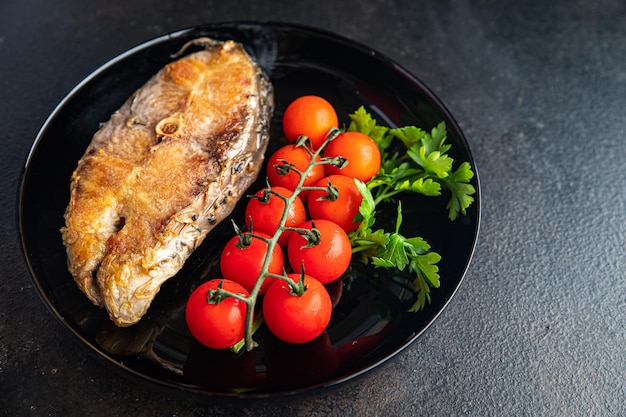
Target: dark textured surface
538	326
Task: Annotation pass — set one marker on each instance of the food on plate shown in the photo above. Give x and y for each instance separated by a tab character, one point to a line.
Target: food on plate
166	167
322	249
360	152
243	256
310	116
338	200
297	316
366	165
266	208
280	170
215	322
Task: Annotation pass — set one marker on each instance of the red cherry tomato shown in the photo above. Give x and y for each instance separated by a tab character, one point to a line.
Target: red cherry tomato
265	212
311	116
297	318
327	260
216	325
361	152
300	159
343	209
243	265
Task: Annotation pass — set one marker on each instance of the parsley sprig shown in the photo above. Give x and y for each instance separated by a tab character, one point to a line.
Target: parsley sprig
421	165
414	161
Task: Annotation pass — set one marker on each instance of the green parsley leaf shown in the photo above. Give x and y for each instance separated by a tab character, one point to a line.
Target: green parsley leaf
409	135
461	190
434	163
414	161
362	121
424	186
368	205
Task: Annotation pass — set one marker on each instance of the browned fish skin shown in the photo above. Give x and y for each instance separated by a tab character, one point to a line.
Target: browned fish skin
168	165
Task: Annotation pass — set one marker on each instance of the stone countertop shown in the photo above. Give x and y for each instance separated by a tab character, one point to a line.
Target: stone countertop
538	326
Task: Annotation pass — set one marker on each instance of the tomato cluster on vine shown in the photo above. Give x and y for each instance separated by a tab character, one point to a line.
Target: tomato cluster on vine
296	237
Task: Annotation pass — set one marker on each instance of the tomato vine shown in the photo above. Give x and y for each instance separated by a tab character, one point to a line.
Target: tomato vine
422	166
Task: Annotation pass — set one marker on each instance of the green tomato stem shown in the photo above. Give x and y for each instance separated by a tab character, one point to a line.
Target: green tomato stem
273	241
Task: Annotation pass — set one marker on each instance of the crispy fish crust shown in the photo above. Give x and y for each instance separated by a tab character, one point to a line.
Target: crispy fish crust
167	167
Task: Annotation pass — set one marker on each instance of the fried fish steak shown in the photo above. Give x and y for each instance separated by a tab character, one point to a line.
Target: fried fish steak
167	166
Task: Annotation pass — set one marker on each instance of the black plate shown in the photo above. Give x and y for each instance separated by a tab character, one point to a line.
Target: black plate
370	323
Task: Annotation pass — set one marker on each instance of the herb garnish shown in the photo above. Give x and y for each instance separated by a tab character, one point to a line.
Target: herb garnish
422	165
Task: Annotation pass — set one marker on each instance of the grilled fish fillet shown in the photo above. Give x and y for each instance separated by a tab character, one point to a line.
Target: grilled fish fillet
167	167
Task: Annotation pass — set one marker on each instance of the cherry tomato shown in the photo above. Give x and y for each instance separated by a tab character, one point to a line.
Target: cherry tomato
266	211
243	265
327	260
216	325
300	159
311	116
361	152
341	210
297	318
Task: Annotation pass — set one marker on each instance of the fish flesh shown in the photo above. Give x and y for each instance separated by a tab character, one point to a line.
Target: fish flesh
167	167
